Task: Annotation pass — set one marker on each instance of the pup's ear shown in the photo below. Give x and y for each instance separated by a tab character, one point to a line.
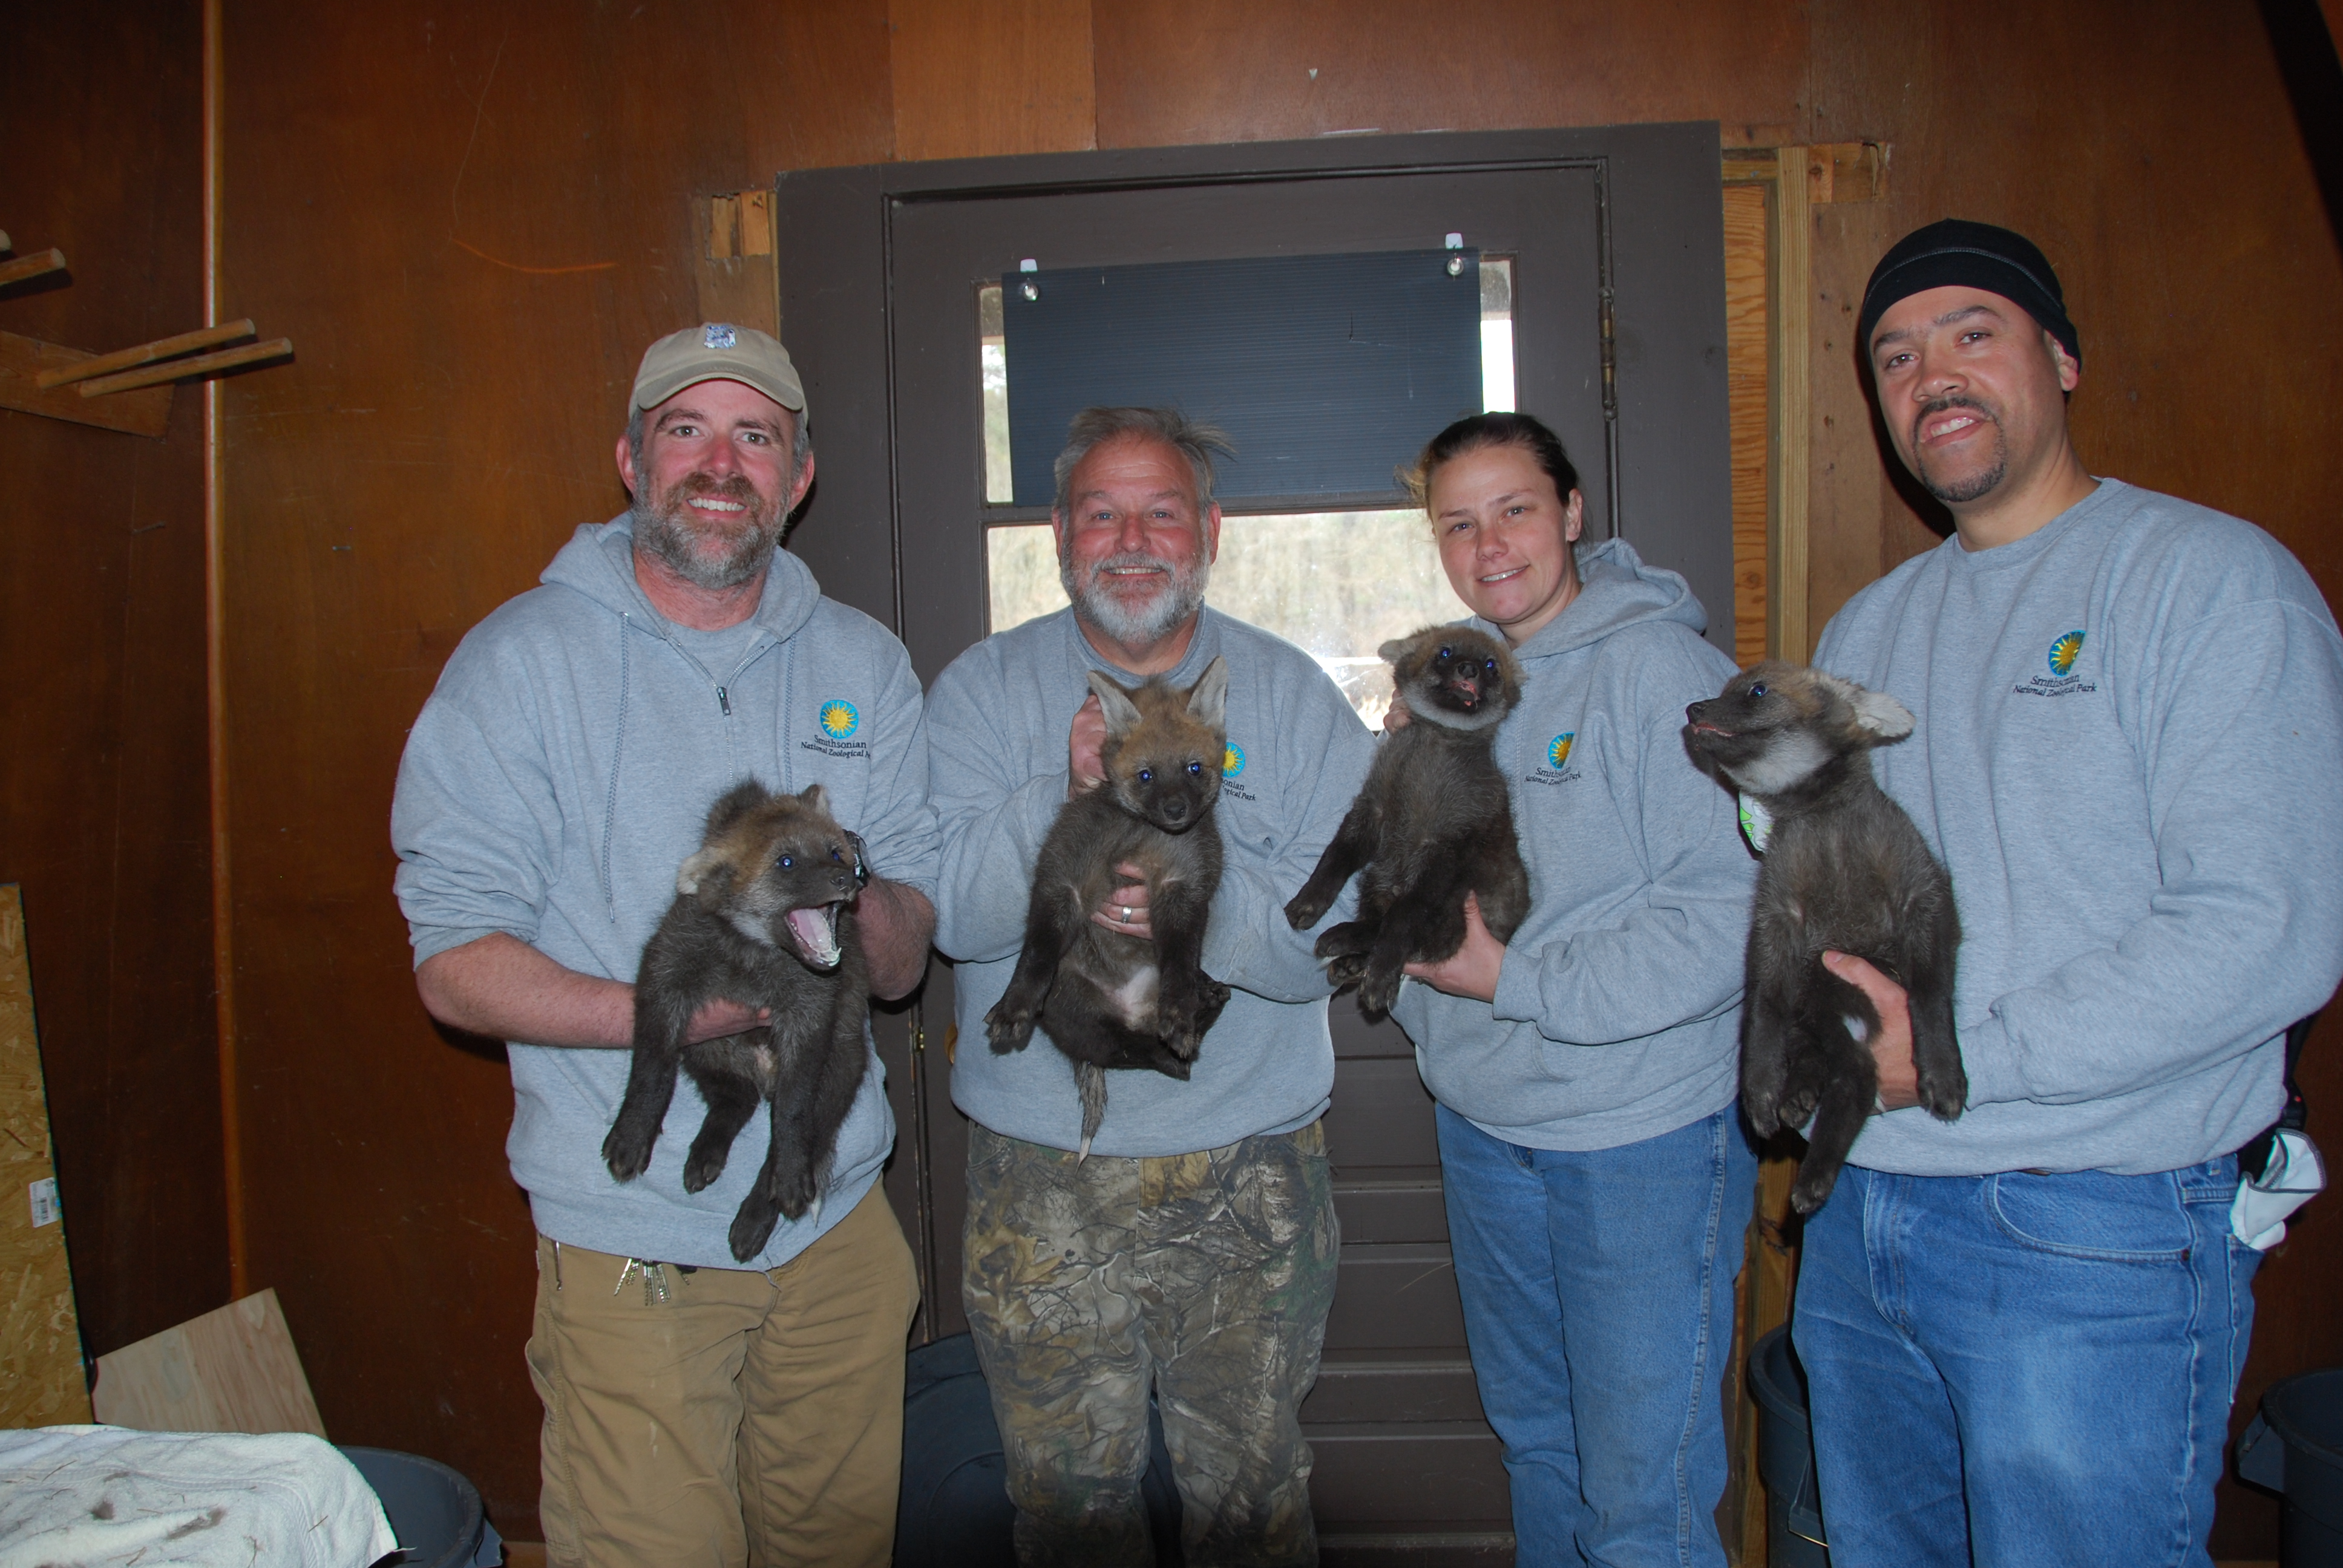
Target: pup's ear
1395	650
814	799
1122	715
1208	700
732	805
704	875
1878	715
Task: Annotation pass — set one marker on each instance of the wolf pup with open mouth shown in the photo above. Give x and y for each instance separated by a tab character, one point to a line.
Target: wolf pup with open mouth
763	916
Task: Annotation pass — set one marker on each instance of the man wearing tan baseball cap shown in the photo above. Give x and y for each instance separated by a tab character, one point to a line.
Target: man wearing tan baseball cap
697	1406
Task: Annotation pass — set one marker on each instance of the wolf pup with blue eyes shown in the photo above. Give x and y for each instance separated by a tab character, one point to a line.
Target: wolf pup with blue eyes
1432	823
763	916
1845	871
1107	999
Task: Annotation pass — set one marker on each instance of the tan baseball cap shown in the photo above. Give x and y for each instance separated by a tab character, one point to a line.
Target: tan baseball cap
717	351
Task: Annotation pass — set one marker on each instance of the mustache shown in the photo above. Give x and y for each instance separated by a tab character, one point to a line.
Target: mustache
1130	558
1946	403
734	489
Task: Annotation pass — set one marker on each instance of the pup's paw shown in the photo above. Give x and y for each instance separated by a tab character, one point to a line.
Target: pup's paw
628	1150
1307	908
1945	1095
1377	990
1813	1188
752	1227
703	1166
1343	940
1009	1027
1348	969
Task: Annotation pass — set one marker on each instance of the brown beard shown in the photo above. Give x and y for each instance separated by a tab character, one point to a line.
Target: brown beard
695	547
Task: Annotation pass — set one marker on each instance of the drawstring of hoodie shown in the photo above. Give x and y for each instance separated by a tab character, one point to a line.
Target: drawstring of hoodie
618	749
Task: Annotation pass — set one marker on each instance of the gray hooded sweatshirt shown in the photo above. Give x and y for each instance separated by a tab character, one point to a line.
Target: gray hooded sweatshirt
558	776
1617	1014
1296	756
2131	731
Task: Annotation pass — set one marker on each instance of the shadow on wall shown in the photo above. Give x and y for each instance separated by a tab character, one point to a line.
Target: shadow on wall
2307	60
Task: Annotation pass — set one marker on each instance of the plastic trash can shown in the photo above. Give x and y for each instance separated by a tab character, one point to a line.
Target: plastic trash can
1786	1455
954	1510
435	1513
2294	1447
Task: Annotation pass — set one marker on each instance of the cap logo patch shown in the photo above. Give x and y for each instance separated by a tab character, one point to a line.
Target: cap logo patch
718	334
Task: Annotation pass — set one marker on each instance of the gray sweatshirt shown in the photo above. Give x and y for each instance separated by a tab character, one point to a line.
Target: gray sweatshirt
558	776
2130	734
999	719
1617	1012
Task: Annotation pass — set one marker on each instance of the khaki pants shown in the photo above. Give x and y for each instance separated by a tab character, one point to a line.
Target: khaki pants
747	1417
1205	1276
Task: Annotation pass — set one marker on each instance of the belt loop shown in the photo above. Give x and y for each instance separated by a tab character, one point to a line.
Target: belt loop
557	1263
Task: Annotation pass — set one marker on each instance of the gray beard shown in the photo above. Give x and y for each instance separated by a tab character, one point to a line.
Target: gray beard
1182	595
666	530
1975	485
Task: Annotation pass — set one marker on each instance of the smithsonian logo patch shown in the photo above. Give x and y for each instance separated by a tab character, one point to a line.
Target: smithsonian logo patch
1557	750
2064	652
839	719
1233	760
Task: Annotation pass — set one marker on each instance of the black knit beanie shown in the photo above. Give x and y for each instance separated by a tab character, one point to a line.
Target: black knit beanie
1975	256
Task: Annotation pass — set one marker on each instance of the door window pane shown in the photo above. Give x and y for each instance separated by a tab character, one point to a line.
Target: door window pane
1337	583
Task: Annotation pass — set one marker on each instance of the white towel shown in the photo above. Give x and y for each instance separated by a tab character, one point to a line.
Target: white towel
107	1497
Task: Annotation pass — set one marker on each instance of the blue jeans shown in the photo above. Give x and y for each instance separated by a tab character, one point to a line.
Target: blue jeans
1598	1302
2022	1368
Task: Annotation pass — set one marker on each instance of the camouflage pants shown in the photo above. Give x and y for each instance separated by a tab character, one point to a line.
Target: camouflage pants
1207	1275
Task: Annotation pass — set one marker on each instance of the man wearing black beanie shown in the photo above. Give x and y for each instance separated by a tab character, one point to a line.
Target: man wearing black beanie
2023	1328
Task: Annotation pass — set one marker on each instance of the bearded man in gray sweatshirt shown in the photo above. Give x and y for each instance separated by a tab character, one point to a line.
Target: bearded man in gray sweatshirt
696	1409
1194	1249
2022	1330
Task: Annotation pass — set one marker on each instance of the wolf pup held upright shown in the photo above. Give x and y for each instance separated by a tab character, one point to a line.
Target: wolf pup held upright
1845	871
763	916
1432	823
1107	999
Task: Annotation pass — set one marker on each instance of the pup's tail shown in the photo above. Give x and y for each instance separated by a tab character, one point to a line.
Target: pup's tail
1091	1081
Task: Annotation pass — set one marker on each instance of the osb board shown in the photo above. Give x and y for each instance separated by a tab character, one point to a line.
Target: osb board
1747	359
234	1369
41	1379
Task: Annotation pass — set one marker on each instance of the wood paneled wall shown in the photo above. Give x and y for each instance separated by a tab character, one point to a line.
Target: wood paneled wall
470	220
103	802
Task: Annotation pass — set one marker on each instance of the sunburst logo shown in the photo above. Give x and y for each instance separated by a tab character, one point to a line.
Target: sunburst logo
2065	651
1557	750
1231	759
839	719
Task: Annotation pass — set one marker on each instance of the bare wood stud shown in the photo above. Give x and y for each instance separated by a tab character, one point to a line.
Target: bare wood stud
145	353
33	266
178	369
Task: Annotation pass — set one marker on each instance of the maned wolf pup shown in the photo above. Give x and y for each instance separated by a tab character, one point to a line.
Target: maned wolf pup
763	916
1845	871
1109	1000
1432	823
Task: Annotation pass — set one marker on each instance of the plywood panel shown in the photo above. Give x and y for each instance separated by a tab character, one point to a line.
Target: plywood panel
993	78
103	806
1234	71
41	1379
1745	362
233	1369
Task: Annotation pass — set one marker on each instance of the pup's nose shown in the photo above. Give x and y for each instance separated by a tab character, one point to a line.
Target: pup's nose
1176	808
